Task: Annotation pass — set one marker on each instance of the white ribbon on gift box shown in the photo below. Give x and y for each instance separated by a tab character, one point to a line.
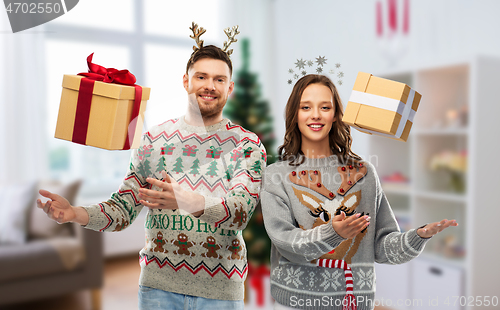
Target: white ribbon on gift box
394	105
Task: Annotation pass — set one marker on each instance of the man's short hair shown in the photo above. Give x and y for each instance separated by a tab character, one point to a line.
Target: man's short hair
212	52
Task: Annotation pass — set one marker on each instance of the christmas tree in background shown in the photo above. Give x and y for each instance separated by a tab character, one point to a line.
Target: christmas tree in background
248	109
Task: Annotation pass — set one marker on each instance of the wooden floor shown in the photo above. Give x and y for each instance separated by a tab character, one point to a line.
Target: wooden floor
121	278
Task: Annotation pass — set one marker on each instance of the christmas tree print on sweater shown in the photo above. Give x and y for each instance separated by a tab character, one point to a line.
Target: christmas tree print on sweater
229	172
256	166
178	165
212	169
161	165
195	168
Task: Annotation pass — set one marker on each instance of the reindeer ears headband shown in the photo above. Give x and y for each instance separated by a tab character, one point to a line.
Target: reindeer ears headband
198	31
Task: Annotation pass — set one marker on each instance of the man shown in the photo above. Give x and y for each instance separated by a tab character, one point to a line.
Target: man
200	177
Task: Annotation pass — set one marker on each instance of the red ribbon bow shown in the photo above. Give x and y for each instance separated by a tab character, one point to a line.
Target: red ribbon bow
106	75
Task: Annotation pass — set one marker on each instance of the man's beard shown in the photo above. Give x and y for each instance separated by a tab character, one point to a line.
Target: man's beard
207	110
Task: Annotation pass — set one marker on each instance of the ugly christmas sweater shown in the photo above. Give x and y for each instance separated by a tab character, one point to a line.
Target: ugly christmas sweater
204	256
312	267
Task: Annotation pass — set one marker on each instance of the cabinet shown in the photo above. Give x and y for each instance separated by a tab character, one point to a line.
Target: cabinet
458	119
437	285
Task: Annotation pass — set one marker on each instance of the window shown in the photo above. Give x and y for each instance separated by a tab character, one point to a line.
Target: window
154	46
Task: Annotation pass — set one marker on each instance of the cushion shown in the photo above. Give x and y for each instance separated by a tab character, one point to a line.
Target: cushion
39	258
40	226
16	200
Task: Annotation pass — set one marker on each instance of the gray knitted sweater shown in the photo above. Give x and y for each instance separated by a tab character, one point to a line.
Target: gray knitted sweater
298	204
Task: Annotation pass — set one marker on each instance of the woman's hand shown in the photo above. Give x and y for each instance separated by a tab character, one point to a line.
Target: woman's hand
430	230
349	227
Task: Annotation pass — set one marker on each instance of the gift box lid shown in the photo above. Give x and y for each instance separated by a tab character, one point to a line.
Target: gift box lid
110	90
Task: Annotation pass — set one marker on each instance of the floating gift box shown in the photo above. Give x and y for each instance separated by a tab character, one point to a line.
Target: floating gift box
99	110
382	107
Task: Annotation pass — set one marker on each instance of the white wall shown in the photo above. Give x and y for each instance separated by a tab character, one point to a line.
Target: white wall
344	31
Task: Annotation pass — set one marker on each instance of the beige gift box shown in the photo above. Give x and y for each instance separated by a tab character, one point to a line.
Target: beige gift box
382	107
110	113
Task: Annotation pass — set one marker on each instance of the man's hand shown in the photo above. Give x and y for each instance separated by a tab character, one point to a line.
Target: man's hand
171	196
59	209
349	227
430	230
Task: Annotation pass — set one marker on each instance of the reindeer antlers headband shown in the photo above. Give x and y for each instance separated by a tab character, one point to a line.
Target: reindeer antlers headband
230	32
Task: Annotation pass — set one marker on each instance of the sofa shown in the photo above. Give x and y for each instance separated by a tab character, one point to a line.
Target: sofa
40	258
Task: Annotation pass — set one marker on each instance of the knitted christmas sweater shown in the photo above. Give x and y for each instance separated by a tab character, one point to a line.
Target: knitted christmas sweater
204	256
312	267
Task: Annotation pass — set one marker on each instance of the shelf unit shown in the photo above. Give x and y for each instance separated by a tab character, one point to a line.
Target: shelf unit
471	87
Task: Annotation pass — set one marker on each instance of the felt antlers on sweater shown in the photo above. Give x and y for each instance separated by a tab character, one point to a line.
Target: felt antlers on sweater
312	180
350	174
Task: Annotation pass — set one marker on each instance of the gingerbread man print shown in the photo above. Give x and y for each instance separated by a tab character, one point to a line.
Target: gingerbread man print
240	217
235	249
212	248
160	242
183	244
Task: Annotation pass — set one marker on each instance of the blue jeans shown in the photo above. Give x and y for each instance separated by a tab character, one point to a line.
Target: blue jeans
154	299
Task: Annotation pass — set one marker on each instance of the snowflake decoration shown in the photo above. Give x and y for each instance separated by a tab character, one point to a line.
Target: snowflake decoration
312	279
293	276
330	279
321	60
277	272
365	279
300	63
393	244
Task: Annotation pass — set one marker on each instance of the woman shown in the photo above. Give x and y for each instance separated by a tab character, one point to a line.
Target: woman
325	211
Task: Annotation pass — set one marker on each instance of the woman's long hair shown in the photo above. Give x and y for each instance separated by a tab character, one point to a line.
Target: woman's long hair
339	136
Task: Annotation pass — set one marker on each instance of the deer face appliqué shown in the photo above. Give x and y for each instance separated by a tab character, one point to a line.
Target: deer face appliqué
323	210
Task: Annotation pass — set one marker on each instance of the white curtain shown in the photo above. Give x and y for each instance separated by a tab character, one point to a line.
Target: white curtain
23	153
